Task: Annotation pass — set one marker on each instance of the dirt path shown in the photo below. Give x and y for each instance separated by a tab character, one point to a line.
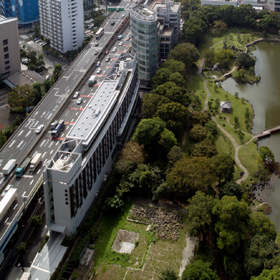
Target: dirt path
235	145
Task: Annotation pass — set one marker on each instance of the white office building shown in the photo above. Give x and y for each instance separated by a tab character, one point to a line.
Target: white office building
62	21
82	163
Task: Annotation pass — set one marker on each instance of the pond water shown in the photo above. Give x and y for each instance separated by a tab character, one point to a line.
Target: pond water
265	98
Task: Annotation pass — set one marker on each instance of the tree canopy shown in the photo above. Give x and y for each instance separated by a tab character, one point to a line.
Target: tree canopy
199	213
199	270
190	175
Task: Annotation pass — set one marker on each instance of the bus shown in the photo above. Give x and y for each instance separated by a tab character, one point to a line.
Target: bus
99	33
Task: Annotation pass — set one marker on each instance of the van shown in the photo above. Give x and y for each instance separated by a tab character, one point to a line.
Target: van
54	124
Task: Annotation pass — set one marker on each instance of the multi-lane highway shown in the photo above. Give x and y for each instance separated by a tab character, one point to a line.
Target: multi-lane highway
59	104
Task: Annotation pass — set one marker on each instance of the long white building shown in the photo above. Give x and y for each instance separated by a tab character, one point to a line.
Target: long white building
81	165
62	21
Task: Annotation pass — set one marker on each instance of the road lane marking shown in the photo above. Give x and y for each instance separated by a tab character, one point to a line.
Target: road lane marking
28	133
20	144
12	144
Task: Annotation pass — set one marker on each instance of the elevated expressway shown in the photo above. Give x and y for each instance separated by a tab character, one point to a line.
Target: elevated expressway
58	103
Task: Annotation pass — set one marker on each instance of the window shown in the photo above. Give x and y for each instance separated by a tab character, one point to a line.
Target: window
7	62
6	56
6	49
5	42
7	68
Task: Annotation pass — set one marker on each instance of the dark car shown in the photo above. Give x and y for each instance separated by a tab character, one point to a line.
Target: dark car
112	23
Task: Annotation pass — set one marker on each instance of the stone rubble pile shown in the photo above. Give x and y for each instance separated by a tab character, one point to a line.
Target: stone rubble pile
165	223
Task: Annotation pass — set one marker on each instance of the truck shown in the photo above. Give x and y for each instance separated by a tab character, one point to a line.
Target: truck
120	37
20	170
7	201
58	128
35	161
91	81
9	166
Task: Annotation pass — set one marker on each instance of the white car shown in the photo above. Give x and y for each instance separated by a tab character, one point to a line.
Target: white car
79	101
98	71
39	128
120	43
98	63
114	49
76	94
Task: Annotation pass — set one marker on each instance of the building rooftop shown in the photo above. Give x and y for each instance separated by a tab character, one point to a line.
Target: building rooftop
25	77
167	31
4	20
98	109
174	7
144	13
95	112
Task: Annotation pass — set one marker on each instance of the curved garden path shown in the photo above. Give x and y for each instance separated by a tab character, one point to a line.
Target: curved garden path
235	145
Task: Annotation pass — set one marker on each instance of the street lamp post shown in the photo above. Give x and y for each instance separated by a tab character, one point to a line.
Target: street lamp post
27	103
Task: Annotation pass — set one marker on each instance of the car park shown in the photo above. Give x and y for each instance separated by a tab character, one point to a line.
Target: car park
76	94
39	128
98	71
120	43
98	63
107	59
79	101
107	51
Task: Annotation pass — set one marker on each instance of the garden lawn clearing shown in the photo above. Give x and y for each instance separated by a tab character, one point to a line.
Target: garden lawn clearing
150	255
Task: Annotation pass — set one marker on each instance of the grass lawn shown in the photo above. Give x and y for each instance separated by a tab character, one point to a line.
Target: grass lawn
248	156
195	83
223	144
147	259
238	106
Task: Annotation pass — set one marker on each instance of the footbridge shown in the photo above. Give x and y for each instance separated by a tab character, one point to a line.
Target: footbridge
268	132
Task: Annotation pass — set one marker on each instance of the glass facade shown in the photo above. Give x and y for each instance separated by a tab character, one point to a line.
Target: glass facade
144	37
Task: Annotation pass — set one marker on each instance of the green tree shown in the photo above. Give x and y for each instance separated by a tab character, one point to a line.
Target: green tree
211	126
37	221
177	78
199	270
268	274
21	248
168	274
198	133
36	30
174	114
236	95
260	254
201	117
193	31
175	66
199	214
266	154
224	166
210	57
244	60
150	104
185	52
47	85
261	224
230	189
219	27
161	77
232	226
205	148
190	175
21	96
148	131
167	139
175	154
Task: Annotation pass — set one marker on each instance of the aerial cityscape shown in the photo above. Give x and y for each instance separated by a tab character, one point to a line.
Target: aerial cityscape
139	139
